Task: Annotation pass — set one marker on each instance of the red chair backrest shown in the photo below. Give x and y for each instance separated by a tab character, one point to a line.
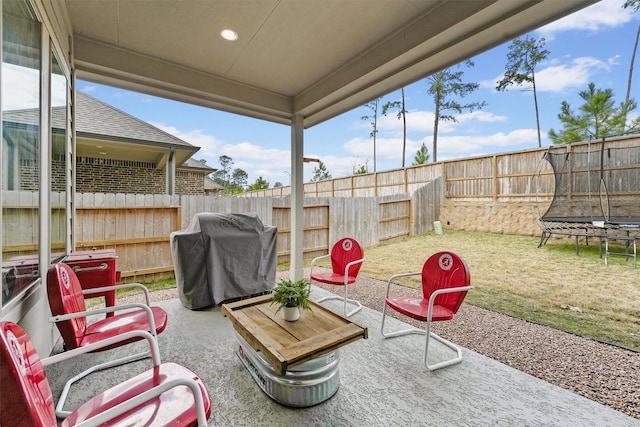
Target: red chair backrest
345	251
65	297
445	270
26	398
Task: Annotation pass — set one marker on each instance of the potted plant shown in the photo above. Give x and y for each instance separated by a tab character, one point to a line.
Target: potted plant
291	295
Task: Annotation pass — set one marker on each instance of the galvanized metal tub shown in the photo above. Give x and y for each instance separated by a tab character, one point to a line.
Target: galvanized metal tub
305	385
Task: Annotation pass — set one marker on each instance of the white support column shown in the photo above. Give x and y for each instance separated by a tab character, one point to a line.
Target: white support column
45	161
296	268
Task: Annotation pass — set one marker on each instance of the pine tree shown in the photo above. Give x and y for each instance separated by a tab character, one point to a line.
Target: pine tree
597	117
443	85
320	173
522	59
373	106
402	114
422	156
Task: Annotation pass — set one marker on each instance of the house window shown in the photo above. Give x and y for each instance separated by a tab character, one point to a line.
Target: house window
60	156
21	148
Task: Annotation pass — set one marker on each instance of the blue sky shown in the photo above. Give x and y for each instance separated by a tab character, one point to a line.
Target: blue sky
593	45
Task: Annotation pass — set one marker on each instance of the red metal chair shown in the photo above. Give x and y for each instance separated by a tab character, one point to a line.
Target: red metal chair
445	283
347	257
66	300
168	394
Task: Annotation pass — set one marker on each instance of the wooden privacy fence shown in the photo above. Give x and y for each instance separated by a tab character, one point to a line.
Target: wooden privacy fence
373	208
494	177
138	226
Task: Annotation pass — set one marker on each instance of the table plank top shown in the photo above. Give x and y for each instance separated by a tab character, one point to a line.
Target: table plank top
286	344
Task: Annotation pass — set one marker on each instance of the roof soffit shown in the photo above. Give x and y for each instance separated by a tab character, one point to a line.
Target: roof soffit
313	58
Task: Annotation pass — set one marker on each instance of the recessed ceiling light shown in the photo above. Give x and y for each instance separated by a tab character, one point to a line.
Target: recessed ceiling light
229	35
102	153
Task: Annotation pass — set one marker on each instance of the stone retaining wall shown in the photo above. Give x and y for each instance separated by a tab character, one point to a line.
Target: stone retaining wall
517	218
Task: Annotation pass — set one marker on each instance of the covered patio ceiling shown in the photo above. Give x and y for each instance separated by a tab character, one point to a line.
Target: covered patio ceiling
314	59
295	62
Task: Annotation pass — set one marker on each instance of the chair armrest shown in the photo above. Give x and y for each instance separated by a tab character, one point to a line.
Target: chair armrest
148	395
117	287
313	261
348	266
152	323
153	346
395	276
432	299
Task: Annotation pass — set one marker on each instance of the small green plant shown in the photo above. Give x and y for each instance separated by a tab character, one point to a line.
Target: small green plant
289	293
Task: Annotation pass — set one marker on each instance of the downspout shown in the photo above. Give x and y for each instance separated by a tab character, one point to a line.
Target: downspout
171	172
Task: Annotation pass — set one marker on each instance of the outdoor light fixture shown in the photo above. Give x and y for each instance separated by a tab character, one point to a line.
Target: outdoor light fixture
229	35
310	160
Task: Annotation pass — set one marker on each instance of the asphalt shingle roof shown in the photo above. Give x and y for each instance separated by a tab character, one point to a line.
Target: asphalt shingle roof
196	164
96	118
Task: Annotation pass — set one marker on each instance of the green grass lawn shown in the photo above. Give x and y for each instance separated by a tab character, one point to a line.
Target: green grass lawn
550	285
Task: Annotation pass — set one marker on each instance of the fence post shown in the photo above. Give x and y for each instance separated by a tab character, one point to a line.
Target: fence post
495	177
406	181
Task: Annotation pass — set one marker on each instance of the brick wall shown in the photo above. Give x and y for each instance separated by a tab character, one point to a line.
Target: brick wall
191	183
125	176
29	175
58	174
118	176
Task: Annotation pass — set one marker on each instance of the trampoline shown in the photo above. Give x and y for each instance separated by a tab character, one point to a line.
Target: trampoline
596	192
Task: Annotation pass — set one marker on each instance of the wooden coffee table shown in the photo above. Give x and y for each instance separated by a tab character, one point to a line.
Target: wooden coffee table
289	344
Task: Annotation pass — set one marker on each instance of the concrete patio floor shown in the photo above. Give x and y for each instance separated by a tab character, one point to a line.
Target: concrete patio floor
382	382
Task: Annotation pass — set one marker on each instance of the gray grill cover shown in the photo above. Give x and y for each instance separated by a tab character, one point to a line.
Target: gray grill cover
220	257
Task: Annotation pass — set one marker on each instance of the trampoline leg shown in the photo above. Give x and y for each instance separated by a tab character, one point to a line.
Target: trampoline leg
543	239
600	247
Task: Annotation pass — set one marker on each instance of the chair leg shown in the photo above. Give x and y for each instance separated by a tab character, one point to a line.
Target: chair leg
443	363
427	332
397	333
60	412
346	300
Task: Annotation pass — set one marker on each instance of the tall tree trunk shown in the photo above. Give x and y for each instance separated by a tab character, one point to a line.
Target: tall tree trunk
375	133
535	102
633	57
404	130
435	132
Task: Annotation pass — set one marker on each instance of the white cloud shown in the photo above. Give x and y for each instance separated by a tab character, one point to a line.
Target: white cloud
88	88
456	146
575	73
416	121
359	147
342	166
390	149
614	60
561	74
20	87
422	122
209	145
604	14
481	116
270	163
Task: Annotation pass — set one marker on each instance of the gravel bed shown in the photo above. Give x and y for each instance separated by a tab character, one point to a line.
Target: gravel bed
601	372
